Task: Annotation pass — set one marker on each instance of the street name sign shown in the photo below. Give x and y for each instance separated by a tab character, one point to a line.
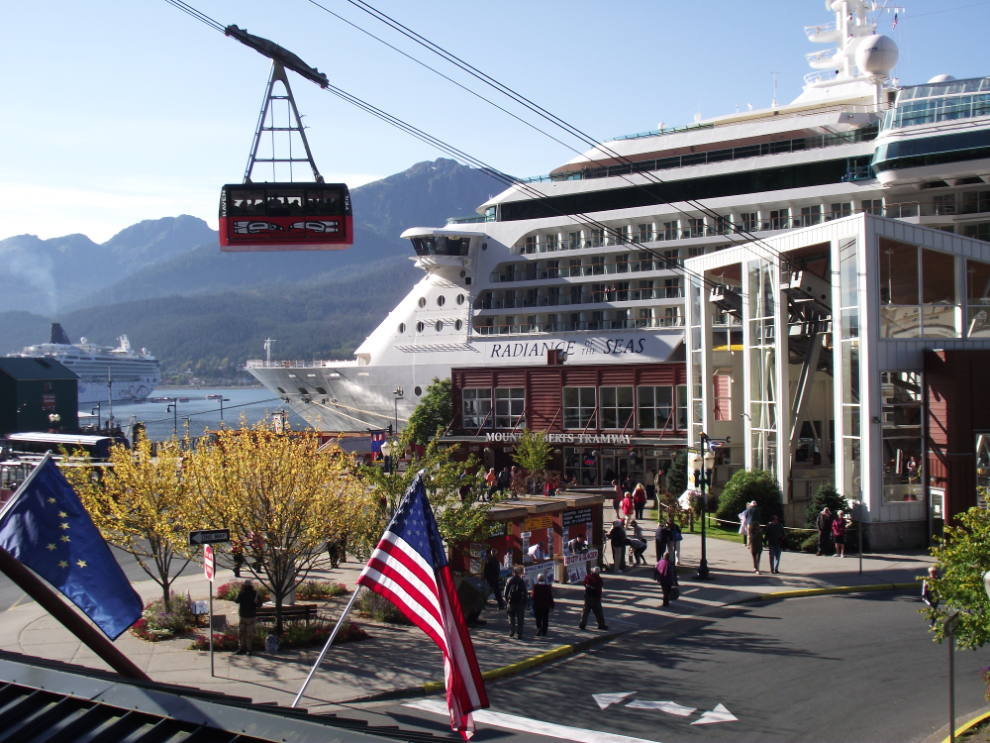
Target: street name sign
209	536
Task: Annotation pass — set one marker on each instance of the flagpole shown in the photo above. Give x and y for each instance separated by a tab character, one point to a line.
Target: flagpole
36	589
340	622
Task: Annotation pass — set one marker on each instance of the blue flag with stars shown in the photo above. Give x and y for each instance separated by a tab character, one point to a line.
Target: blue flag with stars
46	528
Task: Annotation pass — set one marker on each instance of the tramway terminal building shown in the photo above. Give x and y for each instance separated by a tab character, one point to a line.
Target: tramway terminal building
852	352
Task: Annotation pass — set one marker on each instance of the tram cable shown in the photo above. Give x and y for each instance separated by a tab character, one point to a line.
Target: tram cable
555	120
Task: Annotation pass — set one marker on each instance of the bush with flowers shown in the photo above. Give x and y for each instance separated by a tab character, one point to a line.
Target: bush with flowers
296	635
158	623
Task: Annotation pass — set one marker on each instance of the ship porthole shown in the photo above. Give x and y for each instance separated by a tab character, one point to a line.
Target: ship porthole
484	246
458	325
418	391
439	325
422	301
420	327
402	327
441	301
460	299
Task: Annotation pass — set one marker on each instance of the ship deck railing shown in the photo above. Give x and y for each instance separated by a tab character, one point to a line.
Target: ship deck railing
559	327
597	297
295	364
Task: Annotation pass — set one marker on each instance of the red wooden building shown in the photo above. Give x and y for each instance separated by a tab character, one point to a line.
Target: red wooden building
603	421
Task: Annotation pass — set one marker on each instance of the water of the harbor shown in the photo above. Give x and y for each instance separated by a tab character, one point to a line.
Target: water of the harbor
254	403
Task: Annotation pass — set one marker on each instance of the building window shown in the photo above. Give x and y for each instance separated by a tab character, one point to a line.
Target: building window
510	406
780	219
917	292
978	299
840	210
979	231
903	441
670	230
682	407
852	485
645	233
750	221
722	388
811	215
579	406
872	206
656	408
616	406
476	406
573	240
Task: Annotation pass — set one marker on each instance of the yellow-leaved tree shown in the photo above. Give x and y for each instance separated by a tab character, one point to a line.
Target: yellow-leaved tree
142	504
281	498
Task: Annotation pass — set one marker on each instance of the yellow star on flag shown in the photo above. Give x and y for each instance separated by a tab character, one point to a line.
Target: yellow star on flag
65	538
63	515
51	547
51	500
63	564
65	526
81	563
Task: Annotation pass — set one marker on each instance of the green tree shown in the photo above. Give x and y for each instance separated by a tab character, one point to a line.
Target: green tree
433	414
677	478
825	496
533	454
962	558
459	519
748	485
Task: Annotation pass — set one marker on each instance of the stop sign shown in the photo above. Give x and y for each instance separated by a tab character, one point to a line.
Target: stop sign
208	562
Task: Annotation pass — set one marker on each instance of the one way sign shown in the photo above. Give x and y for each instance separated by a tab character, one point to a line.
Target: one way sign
209	536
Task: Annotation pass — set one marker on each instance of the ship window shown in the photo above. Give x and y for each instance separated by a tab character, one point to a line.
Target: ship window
460	299
280	390
303	391
510	407
422	301
418	391
476	406
441	301
656	406
458	325
321	390
579	406
420	327
617	406
402	327
439	325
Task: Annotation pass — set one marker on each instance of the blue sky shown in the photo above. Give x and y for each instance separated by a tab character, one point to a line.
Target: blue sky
120	111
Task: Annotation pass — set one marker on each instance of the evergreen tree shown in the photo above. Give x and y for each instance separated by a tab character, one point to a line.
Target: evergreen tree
677	478
826	495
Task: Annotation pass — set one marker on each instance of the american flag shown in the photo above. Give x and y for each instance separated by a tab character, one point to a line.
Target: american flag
409	568
377	439
895	21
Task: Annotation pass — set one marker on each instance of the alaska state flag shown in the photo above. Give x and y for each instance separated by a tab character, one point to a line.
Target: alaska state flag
45	527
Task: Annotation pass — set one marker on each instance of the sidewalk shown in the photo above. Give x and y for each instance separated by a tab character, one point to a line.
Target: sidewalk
398	658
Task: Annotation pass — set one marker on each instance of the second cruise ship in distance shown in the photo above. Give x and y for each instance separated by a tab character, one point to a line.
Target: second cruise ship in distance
589	258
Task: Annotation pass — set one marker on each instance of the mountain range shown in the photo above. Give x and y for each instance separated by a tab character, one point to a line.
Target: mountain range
166	284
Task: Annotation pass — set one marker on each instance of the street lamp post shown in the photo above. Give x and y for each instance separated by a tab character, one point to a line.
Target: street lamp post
97	411
702	467
222	401
387	453
398	395
54	419
173	408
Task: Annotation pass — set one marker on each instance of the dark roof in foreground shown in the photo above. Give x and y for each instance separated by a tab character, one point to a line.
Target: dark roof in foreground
31	368
42	700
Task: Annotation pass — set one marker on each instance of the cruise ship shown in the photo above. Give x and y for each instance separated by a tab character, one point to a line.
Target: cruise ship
589	259
105	373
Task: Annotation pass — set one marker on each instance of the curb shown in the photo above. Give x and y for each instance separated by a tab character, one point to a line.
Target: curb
968	726
779	595
563	651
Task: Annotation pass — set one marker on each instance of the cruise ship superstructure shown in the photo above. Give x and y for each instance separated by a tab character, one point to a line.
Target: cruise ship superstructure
121	372
589	259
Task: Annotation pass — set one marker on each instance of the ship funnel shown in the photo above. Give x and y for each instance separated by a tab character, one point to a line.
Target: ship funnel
58	335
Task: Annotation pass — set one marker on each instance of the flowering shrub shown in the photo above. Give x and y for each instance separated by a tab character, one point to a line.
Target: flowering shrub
229	591
296	635
320	589
379	608
158	623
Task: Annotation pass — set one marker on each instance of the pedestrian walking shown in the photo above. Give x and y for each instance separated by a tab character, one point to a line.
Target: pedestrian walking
661	538
928	594
593	585
839	534
542	604
639	500
247	613
675	539
515	597
776	538
666	575
628	509
237	552
824	525
617	499
618	538
637	545
492	570
756	546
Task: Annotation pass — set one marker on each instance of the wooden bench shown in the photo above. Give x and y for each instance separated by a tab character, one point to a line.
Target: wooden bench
266	614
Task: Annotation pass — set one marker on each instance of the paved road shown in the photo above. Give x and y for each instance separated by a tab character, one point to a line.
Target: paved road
11	595
850	668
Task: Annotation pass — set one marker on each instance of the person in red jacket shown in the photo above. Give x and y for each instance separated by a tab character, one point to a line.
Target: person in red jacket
628	509
542	604
639	500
